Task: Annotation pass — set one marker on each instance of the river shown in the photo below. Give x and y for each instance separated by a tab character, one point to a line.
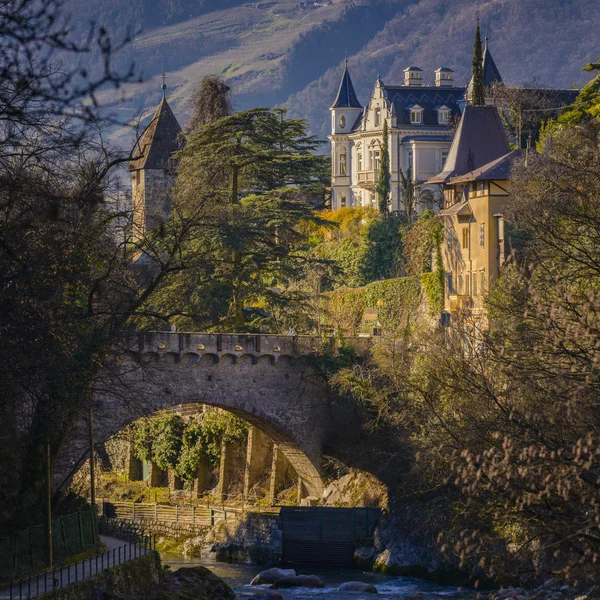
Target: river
238	576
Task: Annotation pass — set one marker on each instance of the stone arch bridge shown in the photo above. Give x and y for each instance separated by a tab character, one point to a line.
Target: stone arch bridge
267	380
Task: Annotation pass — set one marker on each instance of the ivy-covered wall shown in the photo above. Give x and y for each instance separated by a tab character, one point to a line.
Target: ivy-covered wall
389	304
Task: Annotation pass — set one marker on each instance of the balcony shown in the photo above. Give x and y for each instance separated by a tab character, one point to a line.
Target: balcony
366	179
460	303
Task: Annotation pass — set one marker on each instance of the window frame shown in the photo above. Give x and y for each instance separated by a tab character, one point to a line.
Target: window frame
377	116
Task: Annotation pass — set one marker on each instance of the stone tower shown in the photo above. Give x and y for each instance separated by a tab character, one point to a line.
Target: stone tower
344	112
153	170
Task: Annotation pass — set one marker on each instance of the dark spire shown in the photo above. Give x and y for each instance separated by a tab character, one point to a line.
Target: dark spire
491	74
346	96
160	140
163	87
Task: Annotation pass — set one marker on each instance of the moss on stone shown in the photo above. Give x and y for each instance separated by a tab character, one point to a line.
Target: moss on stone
145	578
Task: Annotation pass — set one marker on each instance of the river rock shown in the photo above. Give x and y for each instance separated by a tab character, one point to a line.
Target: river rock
364	557
357	586
272	575
199	582
299	581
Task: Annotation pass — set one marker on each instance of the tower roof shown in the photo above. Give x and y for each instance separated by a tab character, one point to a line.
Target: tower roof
346	96
479	140
160	140
491	75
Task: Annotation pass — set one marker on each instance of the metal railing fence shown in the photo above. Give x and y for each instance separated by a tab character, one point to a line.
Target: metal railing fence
61	577
27	551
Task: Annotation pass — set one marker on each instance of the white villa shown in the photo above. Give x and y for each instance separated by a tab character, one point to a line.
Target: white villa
419	117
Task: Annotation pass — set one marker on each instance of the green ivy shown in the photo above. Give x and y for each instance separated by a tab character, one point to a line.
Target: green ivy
171	443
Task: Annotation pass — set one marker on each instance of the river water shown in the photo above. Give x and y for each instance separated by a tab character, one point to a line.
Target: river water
238	576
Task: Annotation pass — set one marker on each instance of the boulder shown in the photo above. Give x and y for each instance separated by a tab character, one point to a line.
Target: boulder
357	586
272	575
299	581
198	582
364	557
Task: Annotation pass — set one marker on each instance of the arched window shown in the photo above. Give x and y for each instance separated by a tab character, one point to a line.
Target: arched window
343	170
343	121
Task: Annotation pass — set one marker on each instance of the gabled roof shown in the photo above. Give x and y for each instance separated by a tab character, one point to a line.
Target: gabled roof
460	209
402	97
496	169
160	140
479	139
346	96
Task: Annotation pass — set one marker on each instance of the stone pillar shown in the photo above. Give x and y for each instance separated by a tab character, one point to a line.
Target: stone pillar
279	468
175	482
133	466
257	456
301	490
156	476
202	480
225	471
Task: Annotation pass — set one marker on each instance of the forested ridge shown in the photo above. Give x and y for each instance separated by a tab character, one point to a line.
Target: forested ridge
275	53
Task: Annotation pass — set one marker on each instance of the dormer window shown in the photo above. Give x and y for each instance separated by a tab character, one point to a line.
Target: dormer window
377	117
443	113
416	114
342	122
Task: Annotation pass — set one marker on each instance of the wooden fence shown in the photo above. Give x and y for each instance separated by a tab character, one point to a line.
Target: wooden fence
166	513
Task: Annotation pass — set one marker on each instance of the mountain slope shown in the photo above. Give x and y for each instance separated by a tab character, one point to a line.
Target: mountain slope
290	51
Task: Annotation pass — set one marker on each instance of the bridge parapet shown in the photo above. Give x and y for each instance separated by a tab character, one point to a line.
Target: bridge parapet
237	344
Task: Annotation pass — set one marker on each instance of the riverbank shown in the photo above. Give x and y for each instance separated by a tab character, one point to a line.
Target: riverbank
239	576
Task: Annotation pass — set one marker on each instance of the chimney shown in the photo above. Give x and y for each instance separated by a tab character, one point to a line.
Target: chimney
443	77
413	76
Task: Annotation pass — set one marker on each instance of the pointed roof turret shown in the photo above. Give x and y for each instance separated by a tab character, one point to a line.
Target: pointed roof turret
346	96
491	74
160	140
479	140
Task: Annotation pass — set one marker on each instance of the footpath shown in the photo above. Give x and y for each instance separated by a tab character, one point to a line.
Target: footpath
117	552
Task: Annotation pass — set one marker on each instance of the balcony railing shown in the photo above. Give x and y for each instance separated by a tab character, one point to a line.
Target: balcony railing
366	177
425	175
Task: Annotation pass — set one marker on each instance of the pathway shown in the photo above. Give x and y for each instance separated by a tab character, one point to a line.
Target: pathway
117	552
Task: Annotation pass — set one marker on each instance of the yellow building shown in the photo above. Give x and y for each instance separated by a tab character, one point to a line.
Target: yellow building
476	185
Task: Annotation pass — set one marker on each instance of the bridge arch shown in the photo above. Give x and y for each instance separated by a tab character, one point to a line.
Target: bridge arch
266	380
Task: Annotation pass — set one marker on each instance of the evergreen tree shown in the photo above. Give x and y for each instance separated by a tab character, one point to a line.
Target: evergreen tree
383	186
259	172
408	193
478	89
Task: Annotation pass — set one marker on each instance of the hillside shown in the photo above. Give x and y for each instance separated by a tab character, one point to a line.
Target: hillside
290	52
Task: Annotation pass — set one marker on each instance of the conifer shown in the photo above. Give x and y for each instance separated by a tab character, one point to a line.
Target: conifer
383	185
478	89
